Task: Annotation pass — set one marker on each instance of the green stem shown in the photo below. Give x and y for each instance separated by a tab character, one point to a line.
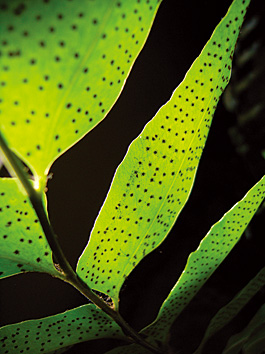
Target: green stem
67	273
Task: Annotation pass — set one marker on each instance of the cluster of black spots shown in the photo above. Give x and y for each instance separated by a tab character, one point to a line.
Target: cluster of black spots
20	233
59	331
178	134
59	55
133	221
211	252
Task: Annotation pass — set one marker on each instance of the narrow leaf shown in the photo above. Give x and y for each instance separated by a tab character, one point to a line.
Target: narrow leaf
154	181
251	340
201	264
23	245
54	332
228	312
64	65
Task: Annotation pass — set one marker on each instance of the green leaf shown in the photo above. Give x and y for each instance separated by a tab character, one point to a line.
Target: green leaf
228	312
201	264
63	65
54	332
154	180
251	340
23	245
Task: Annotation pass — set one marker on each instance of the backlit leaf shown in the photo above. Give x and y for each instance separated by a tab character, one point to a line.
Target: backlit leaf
63	65
54	332
22	243
201	264
154	181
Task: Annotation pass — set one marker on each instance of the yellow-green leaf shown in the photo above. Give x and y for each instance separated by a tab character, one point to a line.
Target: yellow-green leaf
202	263
63	65
22	242
153	182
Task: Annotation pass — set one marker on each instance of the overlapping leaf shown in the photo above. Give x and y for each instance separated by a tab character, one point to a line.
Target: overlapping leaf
62	330
153	182
63	65
228	312
201	264
251	340
22	242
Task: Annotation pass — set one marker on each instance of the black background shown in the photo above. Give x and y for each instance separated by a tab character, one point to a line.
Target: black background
81	178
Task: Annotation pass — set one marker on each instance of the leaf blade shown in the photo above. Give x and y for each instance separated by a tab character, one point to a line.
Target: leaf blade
153	182
64	67
48	334
201	264
23	245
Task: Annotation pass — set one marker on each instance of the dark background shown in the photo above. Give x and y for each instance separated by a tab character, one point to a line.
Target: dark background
82	176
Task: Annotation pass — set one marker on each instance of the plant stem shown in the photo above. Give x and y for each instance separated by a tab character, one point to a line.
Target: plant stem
128	330
67	273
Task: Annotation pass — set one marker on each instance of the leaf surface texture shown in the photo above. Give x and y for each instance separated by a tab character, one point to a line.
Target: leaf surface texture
23	245
54	332
63	65
201	264
153	182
